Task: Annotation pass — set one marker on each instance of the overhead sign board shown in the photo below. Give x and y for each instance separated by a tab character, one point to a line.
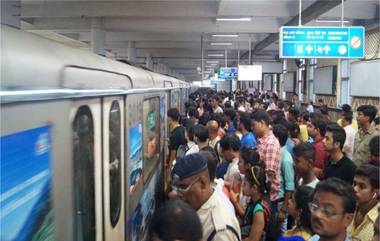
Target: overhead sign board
250	72
228	73
322	42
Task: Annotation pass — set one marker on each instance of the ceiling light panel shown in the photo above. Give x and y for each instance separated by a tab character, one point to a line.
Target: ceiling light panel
220	44
244	19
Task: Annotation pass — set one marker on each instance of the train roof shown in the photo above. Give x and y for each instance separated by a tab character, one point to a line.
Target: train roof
30	62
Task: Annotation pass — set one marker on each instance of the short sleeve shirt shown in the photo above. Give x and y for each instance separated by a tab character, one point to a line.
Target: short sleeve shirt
287	172
177	138
248	140
361	145
343	169
320	154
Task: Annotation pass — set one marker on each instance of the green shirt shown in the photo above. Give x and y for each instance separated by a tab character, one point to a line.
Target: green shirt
361	145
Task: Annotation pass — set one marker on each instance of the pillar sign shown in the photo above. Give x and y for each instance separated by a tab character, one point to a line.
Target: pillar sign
322	42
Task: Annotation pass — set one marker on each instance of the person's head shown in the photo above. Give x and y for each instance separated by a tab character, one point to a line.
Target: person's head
366	114
189	133
212	127
254	182
304	156
200	134
193	113
281	132
214	101
320	102
174	221
260	122
298	206
366	184
212	162
248	158
230	114
305	117
294	129
294	114
346	108
230	145
191	181
244	122
173	116
219	117
335	137
280	105
374	146
377	124
317	127
347	118
295	96
332	208
324	109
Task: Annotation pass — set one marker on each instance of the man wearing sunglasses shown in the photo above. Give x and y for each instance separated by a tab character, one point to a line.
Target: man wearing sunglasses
332	210
191	183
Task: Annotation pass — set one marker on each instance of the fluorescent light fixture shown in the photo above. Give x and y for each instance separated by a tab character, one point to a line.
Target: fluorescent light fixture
330	20
225	35
212	61
215	55
220	44
245	19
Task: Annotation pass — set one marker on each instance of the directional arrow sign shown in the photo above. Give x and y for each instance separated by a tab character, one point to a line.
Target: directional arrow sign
322	42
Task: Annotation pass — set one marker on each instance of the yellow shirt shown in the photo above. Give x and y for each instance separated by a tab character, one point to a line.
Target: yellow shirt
298	232
304	135
354	123
364	232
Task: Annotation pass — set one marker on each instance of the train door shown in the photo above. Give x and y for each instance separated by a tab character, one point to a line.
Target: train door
87	170
113	168
174	98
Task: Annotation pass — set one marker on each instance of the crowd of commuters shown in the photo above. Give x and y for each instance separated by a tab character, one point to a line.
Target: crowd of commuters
253	167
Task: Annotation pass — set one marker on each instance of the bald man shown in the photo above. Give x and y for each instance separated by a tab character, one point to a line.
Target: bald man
213	127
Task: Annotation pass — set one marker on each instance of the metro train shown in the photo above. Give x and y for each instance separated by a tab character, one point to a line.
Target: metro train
83	141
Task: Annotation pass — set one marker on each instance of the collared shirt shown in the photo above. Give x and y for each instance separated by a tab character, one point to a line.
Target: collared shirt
365	230
348	147
303	131
215	215
343	169
218	110
269	151
361	149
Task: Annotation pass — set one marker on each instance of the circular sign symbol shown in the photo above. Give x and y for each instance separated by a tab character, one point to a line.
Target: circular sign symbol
355	42
342	49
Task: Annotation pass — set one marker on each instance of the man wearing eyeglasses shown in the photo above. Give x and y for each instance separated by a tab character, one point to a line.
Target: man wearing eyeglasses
332	210
191	183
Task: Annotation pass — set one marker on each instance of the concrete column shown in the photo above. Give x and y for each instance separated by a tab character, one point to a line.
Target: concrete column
10	13
131	51
338	83
98	37
149	61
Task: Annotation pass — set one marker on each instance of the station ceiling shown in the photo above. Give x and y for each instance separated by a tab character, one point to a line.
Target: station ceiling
173	31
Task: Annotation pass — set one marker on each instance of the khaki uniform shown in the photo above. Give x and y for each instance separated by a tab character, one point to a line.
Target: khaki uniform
361	145
215	216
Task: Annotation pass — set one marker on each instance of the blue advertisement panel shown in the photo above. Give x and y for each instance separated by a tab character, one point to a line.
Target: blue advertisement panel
322	42
25	200
228	73
135	156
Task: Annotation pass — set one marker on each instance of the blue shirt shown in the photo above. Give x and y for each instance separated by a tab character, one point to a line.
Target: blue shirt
316	237
231	128
289	145
248	140
287	172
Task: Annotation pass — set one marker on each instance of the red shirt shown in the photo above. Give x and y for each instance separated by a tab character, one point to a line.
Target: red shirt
269	150
320	154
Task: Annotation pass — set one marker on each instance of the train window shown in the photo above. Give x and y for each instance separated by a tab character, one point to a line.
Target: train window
84	188
114	162
151	135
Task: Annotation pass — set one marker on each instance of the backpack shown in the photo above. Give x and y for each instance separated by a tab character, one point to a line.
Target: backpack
181	151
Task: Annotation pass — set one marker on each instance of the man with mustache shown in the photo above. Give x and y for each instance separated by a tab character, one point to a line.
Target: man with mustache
332	210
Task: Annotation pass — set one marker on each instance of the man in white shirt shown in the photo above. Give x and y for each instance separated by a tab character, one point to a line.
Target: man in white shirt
191	183
215	105
348	147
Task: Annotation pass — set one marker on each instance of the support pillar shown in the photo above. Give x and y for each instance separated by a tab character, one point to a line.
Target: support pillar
131	51
98	36
149	61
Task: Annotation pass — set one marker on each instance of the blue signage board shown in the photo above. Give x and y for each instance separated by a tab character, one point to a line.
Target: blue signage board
25	190
228	73
322	42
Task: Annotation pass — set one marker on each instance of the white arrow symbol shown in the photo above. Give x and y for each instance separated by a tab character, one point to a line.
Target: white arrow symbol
326	49
309	49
